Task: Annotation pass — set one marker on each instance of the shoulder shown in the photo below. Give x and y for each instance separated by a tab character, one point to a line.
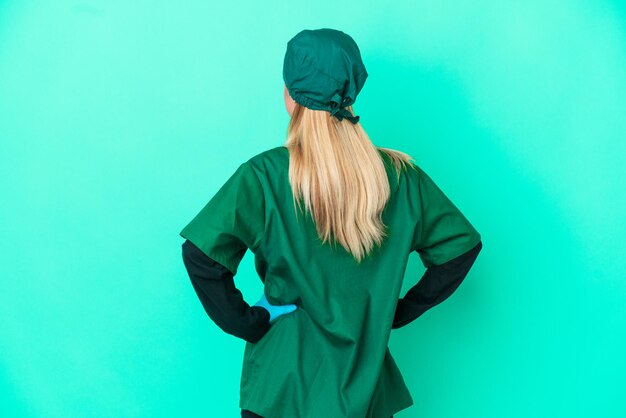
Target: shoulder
273	159
402	167
271	153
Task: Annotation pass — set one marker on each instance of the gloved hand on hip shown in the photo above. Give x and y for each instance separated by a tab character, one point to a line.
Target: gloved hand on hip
275	310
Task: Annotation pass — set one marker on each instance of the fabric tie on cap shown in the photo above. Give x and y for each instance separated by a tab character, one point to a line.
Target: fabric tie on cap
341	112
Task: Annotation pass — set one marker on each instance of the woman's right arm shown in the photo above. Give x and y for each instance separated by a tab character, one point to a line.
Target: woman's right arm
435	286
447	244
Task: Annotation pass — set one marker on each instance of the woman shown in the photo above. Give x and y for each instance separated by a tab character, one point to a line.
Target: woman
331	219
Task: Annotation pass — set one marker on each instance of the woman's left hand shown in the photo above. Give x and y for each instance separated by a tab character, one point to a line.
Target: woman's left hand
275	310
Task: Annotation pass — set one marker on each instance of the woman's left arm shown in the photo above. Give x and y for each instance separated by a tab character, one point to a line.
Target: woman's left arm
222	301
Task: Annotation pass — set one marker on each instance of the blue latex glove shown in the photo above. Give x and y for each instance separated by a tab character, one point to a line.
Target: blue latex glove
275	310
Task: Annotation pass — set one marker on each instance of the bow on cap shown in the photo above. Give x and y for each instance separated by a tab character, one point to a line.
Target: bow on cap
323	70
341	112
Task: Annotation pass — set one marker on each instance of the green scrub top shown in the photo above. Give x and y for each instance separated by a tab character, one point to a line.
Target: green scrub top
328	358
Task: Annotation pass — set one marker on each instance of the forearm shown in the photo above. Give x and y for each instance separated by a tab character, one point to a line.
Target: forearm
223	302
435	286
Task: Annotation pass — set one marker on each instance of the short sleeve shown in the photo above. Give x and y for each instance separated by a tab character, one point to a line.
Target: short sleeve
232	221
442	231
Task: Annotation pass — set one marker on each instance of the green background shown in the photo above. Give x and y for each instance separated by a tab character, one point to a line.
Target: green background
119	120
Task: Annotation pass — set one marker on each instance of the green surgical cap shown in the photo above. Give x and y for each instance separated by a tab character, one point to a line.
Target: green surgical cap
323	70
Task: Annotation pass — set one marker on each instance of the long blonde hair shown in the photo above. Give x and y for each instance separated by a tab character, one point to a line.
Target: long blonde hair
339	174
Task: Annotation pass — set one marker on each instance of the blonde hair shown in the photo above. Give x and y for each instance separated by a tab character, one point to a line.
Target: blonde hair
340	176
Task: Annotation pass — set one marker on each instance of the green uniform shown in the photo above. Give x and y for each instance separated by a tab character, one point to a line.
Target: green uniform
329	358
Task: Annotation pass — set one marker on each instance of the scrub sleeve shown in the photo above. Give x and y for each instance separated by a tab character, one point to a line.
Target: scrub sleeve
443	232
232	221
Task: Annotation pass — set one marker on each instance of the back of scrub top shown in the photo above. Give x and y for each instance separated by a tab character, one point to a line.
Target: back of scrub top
329	358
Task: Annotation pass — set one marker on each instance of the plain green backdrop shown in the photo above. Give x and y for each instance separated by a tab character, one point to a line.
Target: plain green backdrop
120	119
